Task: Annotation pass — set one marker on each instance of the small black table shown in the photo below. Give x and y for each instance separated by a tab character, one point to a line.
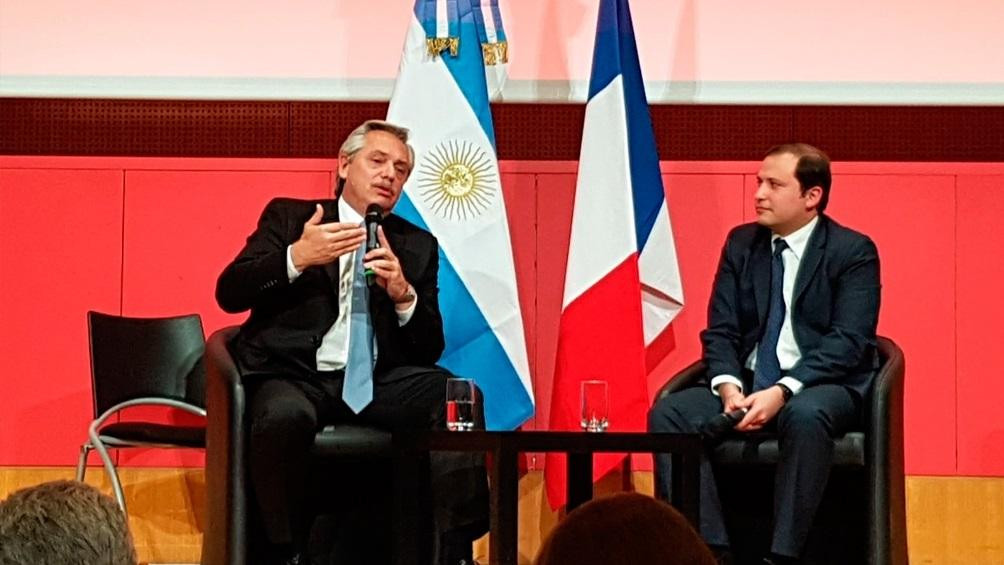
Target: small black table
504	448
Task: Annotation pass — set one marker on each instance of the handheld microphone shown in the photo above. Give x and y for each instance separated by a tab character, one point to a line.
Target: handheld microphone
721	424
374	215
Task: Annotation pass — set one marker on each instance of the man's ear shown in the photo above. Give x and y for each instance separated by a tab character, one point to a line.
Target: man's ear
343	166
813	196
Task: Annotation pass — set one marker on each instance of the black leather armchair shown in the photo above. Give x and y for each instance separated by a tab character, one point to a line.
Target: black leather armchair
227	534
876	450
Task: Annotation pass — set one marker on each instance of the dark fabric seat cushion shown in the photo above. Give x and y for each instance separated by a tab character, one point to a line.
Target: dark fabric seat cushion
150	433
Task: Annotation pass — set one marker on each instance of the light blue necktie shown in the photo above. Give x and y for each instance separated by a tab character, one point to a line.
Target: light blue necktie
357	391
768	368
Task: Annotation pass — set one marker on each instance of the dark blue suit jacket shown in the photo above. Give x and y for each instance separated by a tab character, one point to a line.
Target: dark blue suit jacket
834	313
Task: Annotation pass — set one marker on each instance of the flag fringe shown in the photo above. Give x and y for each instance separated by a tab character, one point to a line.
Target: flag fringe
437	45
495	53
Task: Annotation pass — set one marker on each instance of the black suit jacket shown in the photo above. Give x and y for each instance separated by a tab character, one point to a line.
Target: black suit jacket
834	313
289	320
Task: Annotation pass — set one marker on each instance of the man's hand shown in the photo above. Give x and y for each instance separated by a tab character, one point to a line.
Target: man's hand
732	397
388	272
762	406
320	244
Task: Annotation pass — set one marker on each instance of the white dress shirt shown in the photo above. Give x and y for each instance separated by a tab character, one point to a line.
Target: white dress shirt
788	353
334	350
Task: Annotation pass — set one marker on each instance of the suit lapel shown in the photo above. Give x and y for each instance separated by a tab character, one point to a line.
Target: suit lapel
331	215
813	256
760	263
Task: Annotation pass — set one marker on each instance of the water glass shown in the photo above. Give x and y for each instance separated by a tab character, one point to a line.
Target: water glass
459	404
594	406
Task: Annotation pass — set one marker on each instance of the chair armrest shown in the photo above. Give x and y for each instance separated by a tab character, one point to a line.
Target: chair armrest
885	451
685	378
226	530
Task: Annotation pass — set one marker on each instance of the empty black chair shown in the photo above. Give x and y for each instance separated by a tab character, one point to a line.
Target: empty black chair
876	449
143	362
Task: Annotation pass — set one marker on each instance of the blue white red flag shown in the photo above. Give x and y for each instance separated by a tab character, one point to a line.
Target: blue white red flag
622	282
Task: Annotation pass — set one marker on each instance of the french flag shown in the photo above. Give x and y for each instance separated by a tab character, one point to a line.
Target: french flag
622	282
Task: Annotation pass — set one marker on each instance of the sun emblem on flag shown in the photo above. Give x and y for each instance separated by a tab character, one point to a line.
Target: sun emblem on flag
457	180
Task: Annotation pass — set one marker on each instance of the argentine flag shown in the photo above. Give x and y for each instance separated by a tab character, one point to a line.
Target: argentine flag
622	282
454	191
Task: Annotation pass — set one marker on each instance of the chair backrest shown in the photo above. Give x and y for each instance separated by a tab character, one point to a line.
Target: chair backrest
146	357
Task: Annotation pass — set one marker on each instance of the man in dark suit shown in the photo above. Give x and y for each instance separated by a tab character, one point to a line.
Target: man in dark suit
322	345
790	341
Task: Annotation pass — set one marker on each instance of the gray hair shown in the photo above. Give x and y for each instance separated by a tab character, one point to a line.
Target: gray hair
63	522
355	141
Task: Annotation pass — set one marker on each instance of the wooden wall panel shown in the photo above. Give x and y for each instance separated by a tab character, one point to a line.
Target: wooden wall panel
950	520
60	256
980	355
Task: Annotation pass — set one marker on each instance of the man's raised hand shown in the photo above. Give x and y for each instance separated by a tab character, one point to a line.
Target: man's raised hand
320	244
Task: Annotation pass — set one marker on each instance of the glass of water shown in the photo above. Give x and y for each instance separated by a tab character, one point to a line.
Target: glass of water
594	406
459	404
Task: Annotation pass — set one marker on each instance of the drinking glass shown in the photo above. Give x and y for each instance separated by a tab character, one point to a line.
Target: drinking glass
459	404
594	406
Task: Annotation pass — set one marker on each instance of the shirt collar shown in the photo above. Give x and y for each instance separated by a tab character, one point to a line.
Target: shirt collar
347	213
798	239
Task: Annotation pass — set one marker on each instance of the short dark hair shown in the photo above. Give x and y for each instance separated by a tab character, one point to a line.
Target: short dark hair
812	169
624	528
63	522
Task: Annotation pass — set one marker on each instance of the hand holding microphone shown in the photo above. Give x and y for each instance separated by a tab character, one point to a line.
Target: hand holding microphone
383	267
716	427
374	215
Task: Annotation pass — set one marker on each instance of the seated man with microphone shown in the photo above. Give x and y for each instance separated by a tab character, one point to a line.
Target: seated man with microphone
790	346
340	332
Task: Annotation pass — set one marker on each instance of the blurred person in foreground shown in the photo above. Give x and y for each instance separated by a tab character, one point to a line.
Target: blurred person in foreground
63	522
624	528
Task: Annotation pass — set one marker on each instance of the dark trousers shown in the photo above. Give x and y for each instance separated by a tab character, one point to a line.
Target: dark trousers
285	414
806	427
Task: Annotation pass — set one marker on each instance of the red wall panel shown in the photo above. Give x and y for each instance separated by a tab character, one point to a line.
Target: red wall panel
703	208
980	303
521	210
911	219
555	193
181	228
182	220
60	256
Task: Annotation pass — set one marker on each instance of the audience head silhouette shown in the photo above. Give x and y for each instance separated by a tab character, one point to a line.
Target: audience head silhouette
63	522
624	528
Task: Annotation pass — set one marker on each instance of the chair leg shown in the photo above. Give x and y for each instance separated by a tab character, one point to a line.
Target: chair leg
85	448
113	476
